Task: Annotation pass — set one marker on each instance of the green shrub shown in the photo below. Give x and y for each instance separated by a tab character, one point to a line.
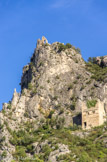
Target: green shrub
30	86
41	87
68	45
72	106
57	77
91	103
101	155
23	93
34	91
70	86
58	106
98	73
82	87
26	140
8	128
46	44
84	157
9	106
26	114
31	65
20	133
63	47
51	113
65	158
2	139
75	82
92	60
46	150
4	154
88	82
61	111
20	152
3	111
60	122
52	122
22	138
41	63
30	149
13	141
75	127
48	81
55	97
42	120
1	126
37	159
79	76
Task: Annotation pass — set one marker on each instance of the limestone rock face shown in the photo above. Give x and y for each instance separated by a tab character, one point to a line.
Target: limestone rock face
15	98
54	84
63	149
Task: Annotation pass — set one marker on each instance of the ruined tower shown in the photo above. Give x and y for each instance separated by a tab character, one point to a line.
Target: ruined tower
94	116
41	42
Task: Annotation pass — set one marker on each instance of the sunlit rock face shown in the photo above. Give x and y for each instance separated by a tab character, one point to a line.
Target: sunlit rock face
55	85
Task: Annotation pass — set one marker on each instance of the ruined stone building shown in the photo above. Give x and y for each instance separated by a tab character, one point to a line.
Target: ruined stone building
95	116
41	42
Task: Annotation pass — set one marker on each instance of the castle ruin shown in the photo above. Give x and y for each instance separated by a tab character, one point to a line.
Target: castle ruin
95	116
41	42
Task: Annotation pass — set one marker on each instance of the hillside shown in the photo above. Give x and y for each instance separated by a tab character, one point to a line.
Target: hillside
60	114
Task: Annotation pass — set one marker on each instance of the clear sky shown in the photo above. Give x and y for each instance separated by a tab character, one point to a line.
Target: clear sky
83	23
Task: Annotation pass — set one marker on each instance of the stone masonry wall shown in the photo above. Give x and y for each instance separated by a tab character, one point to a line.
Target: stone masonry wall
90	118
94	116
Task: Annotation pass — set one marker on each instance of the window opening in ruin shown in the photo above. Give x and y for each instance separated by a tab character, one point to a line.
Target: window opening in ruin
44	41
85	124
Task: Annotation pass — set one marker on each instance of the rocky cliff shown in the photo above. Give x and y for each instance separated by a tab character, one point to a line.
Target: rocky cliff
55	86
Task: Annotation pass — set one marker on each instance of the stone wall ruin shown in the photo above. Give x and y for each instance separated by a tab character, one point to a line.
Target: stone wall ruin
94	116
41	42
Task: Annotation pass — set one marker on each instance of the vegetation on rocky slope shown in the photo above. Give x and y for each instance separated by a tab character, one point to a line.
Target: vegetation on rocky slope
98	73
85	149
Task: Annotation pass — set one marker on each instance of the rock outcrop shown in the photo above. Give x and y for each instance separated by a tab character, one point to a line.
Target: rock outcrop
54	87
101	61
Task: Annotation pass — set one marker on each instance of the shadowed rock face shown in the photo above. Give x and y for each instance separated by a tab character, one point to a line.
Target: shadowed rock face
102	61
54	84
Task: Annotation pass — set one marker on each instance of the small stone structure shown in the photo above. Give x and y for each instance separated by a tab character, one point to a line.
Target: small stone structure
94	116
41	42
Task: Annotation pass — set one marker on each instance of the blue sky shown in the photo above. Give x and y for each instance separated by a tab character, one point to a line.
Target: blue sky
83	23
